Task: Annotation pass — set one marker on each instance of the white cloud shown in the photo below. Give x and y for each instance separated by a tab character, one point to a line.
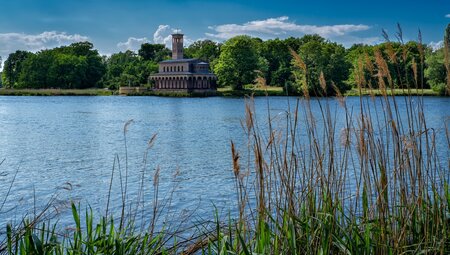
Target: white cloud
163	35
10	42
280	26
132	43
436	45
447	16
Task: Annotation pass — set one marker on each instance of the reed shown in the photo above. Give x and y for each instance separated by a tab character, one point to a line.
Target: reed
343	180
373	185
135	227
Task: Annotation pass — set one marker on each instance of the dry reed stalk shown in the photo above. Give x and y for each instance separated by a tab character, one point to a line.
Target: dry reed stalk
299	63
415	73
323	82
383	71
422	58
260	80
360	77
235	160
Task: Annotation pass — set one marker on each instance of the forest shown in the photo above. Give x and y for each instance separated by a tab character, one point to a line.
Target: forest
237	62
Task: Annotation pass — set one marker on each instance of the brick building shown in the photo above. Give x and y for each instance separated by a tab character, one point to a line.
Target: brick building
180	74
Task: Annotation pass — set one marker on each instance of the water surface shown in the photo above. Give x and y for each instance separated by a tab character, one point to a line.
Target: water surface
66	146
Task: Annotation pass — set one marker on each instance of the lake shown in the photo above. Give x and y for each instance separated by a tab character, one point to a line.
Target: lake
65	148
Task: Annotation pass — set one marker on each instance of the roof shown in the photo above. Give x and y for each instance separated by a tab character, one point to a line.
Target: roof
181	73
202	63
174	73
179	60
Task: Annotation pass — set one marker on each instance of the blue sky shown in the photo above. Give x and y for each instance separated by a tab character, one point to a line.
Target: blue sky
119	25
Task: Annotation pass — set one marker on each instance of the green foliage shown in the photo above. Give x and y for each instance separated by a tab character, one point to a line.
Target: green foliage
277	54
56	92
87	237
238	62
319	56
128	69
290	88
436	72
438	67
35	71
294	43
205	50
359	55
13	67
404	62
75	66
1	74
303	206
153	52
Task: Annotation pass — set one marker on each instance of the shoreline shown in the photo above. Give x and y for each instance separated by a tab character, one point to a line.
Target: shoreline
221	92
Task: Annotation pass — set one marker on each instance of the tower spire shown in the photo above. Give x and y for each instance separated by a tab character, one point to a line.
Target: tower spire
177	45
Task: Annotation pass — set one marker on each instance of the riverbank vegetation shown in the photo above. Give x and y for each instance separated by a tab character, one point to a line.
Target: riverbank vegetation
305	184
237	62
57	92
249	90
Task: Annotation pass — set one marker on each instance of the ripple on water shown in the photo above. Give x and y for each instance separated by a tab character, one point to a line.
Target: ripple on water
66	146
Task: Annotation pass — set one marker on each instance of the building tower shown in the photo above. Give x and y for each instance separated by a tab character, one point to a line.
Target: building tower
177	46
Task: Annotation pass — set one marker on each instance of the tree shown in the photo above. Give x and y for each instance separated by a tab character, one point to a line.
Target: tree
205	50
278	56
447	57
1	74
321	56
293	42
436	72
76	66
153	52
128	69
35	71
68	72
237	62
96	68
361	60
13	67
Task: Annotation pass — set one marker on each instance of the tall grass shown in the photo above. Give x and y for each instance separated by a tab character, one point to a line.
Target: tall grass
373	185
340	180
135	226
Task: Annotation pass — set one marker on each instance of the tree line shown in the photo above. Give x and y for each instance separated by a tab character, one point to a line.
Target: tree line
237	62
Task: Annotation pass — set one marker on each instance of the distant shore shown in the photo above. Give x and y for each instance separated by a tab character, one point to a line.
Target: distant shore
57	92
224	92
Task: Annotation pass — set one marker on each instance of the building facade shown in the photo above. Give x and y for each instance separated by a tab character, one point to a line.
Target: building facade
180	74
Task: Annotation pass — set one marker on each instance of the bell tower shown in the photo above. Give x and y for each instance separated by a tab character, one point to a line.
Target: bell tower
177	46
